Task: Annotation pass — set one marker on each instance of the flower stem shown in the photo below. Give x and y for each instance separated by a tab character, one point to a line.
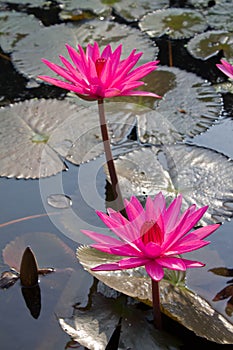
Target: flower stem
156	305
109	158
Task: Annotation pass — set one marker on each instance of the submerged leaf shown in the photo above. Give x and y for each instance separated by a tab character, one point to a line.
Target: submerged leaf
174	22
203	176
43	43
179	303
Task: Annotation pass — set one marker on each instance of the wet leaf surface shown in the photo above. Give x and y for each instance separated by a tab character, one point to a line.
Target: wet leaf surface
220	16
179	303
38	133
203	176
133	10
94	328
189	106
175	23
43	43
30	3
208	44
97	7
15	26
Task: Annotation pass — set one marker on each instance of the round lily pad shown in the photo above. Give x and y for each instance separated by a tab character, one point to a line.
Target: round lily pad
133	10
72	7
207	44
189	107
37	134
220	16
174	22
15	26
44	43
203	176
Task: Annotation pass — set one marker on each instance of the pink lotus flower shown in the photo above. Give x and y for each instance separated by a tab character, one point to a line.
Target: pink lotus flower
153	237
226	68
98	75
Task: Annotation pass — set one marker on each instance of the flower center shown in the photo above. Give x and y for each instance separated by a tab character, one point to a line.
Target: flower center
99	65
151	232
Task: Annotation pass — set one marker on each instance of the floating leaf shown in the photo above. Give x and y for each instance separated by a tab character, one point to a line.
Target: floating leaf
43	43
133	10
207	44
93	328
28	269
37	133
189	107
179	303
95	6
14	26
26	128
30	3
203	176
174	22
220	16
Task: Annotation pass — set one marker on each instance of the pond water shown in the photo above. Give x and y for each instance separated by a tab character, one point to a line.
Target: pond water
47	214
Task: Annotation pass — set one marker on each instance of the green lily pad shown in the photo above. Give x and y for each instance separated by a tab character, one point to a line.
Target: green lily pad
177	302
15	26
204	45
43	43
203	176
173	22
94	328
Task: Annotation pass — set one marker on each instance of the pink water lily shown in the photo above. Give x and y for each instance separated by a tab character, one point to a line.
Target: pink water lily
153	237
97	75
226	68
